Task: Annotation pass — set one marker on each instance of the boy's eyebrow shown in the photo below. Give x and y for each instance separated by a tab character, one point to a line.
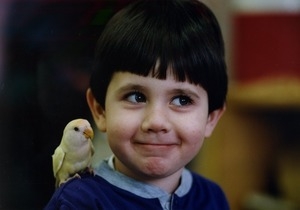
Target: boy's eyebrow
130	86
185	91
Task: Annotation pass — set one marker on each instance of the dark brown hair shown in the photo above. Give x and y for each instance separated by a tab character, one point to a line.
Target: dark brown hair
181	34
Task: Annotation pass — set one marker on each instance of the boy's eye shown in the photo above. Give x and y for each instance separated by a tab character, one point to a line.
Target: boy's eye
181	100
135	97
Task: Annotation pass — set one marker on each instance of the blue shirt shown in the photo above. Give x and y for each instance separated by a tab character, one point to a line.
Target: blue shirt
111	190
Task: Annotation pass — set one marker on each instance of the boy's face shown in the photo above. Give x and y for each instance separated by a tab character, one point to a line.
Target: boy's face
154	127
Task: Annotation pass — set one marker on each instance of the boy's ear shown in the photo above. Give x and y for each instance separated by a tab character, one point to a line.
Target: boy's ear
213	119
97	111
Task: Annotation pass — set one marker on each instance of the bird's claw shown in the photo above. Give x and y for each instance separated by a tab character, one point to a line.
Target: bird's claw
70	178
91	171
76	176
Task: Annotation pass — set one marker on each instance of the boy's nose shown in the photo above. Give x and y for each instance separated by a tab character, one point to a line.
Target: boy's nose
156	120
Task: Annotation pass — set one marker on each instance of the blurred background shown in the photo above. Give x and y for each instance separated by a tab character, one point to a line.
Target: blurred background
46	52
47	48
254	153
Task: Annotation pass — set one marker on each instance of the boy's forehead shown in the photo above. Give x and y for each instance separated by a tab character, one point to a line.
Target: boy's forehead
153	74
129	79
169	72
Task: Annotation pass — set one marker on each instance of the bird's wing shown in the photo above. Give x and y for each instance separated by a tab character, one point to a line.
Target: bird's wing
92	148
57	159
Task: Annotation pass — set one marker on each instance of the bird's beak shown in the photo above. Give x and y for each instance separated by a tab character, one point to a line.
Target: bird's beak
88	133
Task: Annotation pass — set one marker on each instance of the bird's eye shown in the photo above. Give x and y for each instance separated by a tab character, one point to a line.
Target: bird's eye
76	128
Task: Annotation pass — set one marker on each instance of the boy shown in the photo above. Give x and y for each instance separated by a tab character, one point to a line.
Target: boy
158	90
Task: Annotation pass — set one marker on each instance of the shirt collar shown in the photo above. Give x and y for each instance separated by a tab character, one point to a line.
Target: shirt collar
106	171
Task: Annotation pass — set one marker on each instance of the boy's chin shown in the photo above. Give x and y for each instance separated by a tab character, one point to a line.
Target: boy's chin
157	167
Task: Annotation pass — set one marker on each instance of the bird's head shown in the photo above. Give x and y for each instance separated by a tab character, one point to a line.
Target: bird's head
78	129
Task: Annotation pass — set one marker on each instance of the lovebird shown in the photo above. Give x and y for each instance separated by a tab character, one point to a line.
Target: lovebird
74	154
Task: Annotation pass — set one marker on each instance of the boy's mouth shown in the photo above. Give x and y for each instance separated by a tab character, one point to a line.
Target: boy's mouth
156	149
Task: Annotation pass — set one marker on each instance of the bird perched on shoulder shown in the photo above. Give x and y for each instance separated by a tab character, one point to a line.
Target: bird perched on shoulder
74	154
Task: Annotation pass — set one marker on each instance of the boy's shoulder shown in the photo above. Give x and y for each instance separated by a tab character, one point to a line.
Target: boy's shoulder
94	192
86	183
205	192
203	182
76	193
